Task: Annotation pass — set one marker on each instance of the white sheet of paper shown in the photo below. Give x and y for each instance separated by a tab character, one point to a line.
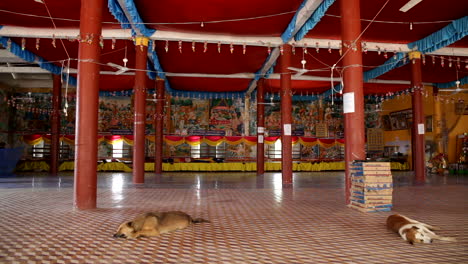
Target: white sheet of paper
348	103
260	130
260	139
421	129
287	129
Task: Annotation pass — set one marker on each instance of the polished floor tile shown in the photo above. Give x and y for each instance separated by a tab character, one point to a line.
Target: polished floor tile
253	220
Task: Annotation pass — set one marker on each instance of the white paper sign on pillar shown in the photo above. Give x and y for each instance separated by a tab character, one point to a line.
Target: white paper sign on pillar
260	139
260	130
421	129
287	130
348	103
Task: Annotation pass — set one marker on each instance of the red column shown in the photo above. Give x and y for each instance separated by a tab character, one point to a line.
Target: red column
286	116
158	124
418	118
353	90
55	125
87	100
260	128
141	49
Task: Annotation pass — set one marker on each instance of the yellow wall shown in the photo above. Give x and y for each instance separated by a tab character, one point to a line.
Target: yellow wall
457	124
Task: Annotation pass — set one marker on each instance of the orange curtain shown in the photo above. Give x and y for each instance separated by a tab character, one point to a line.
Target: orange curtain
213	140
271	140
251	141
193	140
173	140
326	143
308	142
128	139
233	140
33	139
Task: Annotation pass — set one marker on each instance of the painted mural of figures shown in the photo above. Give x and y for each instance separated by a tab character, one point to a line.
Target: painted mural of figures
240	151
328	115
273	121
313	112
320	109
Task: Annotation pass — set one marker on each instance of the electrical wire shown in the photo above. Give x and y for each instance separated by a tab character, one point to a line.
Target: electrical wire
55	27
398	22
160	23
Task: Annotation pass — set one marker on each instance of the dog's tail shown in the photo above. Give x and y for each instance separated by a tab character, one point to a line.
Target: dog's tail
200	220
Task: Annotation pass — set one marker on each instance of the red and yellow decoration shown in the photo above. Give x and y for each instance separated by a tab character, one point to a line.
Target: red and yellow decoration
192	140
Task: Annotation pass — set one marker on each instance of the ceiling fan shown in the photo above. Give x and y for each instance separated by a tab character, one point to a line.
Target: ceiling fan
456	90
299	71
121	69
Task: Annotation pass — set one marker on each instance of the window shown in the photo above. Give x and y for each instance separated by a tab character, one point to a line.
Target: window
117	149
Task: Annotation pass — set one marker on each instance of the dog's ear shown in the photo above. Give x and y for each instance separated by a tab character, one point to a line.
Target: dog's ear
415	228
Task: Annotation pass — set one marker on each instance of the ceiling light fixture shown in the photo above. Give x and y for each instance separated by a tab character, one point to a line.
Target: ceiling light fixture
409	5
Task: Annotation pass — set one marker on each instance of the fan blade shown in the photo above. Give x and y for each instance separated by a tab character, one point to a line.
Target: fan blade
296	69
122	70
453	90
114	65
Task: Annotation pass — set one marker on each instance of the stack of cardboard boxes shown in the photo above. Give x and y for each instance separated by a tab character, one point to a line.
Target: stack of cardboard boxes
371	186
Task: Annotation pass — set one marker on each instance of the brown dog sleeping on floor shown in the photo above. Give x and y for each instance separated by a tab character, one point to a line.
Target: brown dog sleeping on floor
156	223
414	231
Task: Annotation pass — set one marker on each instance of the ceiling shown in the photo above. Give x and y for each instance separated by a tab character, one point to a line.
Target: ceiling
223	47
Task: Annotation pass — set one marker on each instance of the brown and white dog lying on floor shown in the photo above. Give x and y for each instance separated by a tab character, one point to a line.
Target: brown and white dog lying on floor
156	223
413	231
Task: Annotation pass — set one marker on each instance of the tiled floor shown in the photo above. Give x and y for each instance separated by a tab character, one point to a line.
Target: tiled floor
253	220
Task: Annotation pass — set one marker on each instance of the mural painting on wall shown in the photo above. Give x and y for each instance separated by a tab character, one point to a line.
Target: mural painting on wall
240	151
305	116
115	113
226	117
272	119
31	112
189	116
182	150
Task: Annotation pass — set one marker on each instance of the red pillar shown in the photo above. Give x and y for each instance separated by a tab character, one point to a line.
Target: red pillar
87	100
353	87
158	124
286	116
55	125
418	118
141	49
260	128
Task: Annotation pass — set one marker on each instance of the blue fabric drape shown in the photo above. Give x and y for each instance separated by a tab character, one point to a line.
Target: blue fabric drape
288	33
314	19
33	58
446	85
117	11
389	65
442	38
